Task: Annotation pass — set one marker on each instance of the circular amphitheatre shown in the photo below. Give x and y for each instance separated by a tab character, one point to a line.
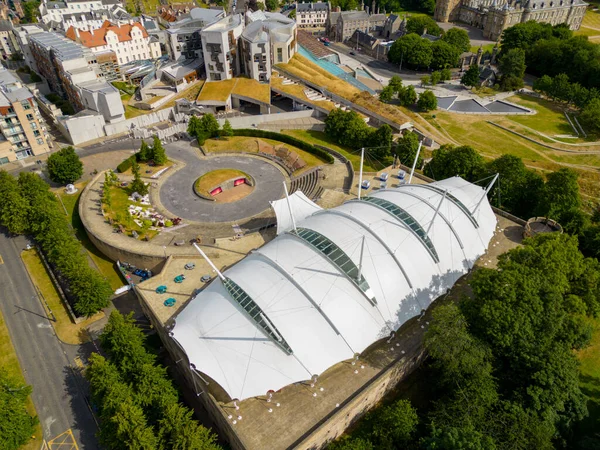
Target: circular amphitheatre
178	193
224	185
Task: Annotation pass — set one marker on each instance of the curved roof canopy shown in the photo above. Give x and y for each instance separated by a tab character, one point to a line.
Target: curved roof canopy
345	278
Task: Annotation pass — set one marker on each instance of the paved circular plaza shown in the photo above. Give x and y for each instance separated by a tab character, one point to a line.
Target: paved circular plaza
177	193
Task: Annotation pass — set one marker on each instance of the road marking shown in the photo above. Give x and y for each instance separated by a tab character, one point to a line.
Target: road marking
79	362
1	260
64	441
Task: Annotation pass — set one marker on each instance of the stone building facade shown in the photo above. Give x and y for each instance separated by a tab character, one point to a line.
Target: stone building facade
494	16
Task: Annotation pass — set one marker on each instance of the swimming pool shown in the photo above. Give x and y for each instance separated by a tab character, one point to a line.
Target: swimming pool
336	70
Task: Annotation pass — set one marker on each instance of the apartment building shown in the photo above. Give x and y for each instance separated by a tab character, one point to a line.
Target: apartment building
269	38
220	48
312	15
130	42
67	65
185	41
82	14
8	45
22	129
21	35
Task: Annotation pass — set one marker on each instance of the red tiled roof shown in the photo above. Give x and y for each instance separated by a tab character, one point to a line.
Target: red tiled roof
97	37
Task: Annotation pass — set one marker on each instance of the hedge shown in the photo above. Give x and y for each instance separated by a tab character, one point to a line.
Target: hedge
326	156
126	165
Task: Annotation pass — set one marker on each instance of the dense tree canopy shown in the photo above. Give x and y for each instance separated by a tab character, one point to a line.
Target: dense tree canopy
427	101
590	116
449	161
64	166
16	425
471	76
444	55
406	149
422	24
411	50
458	38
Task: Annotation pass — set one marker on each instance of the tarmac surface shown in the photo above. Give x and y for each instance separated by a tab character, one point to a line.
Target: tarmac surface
178	197
59	391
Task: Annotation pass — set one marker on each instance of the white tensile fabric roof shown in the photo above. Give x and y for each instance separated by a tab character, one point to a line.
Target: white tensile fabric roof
297	309
302	207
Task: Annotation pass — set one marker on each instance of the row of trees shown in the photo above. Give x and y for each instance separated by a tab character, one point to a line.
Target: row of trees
208	127
155	153
16	425
138	405
28	206
417	52
553	50
502	372
407	96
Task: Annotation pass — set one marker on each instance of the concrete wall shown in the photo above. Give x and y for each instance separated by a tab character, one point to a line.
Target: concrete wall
250	121
138	122
82	129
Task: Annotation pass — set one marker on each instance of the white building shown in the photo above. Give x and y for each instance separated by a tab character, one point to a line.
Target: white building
312	14
184	37
22	34
8	44
82	14
130	41
220	48
332	284
103	98
269	38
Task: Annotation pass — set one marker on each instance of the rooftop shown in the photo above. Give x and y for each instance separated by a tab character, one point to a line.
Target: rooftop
178	70
225	24
97	37
64	48
317	6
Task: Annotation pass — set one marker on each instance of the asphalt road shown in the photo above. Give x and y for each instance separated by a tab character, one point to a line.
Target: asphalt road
177	194
58	393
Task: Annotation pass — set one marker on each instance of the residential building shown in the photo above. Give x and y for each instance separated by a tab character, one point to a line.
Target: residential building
341	26
171	13
393	24
269	38
220	48
130	41
312	14
184	34
377	22
23	132
8	44
67	66
494	16
81	14
21	35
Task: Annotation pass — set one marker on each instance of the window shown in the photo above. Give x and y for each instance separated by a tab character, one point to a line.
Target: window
33	125
36	133
26	105
279	55
40	141
29	116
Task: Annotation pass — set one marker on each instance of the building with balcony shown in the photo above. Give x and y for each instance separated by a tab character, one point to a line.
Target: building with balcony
130	42
269	38
312	15
23	131
220	48
21	35
8	44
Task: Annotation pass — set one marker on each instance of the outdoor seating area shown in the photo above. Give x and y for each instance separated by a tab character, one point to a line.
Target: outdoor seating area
170	302
179	278
308	183
289	159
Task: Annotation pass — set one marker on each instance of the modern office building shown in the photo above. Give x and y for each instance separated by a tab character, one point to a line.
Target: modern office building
130	41
269	38
220	48
185	41
21	34
23	131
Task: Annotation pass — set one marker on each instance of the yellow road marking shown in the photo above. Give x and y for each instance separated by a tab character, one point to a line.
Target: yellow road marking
1	260
79	362
64	441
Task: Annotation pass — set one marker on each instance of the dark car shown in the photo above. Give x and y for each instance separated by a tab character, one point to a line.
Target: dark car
353	54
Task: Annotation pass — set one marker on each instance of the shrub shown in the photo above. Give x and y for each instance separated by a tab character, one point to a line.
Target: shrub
126	165
168	223
147	223
286	139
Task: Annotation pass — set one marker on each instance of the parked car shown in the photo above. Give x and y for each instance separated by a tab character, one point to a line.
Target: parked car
366	184
353	54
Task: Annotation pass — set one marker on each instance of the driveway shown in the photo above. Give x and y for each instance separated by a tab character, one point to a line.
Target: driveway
177	194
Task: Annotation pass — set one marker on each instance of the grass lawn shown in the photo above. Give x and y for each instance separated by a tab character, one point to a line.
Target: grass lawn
409	13
320	138
298	91
10	363
216	90
215	177
119	213
549	119
190	93
486	48
106	266
584	31
249	87
147	170
66	330
249	144
589	381
591	19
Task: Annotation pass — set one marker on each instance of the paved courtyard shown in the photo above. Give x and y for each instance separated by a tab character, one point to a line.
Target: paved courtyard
178	197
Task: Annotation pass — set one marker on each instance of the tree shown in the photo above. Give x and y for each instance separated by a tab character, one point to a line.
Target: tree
380	142
393	425
386	94
137	185
425	80
407	96
209	125
227	129
449	161
158	152
145	152
458	438
590	116
560	194
292	14
511	83
427	101
443	55
512	63
64	166
411	49
543	85
396	83
179	431
458	38
406	149
194	128
272	5
423	24
16	425
471	76
446	74
14	208
435	77
347	128
93	292
30	11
